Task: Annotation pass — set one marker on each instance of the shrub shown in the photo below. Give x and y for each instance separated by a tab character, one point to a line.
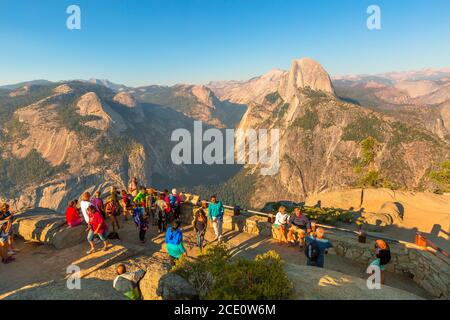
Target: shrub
308	122
370	179
216	276
272	97
442	176
360	129
368	152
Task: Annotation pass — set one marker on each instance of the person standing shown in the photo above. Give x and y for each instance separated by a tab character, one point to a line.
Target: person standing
133	187
383	254
174	242
175	203
97	202
97	226
7	215
200	224
112	211
161	206
316	248
280	225
84	205
215	214
125	202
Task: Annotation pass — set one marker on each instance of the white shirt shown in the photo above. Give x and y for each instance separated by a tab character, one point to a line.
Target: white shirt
281	219
84	205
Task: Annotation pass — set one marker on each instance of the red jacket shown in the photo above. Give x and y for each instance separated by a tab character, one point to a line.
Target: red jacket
71	215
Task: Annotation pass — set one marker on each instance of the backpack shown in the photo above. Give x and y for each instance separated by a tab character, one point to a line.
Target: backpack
312	250
137	216
113	235
110	208
385	256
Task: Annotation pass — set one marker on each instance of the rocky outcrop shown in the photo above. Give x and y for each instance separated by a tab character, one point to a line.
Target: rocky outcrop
313	283
305	73
172	286
49	227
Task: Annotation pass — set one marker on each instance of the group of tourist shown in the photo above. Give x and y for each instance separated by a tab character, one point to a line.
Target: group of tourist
297	228
7	250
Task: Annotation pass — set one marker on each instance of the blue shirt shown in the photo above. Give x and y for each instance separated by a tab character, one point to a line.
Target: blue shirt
323	245
215	210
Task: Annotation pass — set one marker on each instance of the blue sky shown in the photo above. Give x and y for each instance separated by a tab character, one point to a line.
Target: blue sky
138	42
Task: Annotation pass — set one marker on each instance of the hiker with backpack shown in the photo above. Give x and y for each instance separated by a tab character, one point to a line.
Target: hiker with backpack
128	282
161	206
174	242
200	223
299	226
280	225
112	211
215	215
97	226
175	203
141	220
316	248
383	254
7	215
150	206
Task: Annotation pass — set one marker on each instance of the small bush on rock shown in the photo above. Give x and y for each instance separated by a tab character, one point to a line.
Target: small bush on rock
216	276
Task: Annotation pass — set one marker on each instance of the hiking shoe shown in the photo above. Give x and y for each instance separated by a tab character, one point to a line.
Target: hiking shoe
90	251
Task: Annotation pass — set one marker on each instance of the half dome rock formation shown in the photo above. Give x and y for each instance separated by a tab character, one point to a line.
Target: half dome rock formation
304	73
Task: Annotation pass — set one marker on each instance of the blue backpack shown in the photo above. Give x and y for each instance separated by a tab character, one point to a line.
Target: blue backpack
312	250
137	214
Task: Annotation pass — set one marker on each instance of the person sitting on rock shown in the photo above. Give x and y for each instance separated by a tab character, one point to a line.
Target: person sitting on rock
97	226
383	254
128	282
6	258
73	219
280	225
316	248
299	225
174	242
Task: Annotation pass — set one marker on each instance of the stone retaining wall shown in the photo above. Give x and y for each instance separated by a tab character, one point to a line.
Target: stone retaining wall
428	270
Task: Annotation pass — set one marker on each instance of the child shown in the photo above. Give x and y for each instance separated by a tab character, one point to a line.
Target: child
281	222
141	221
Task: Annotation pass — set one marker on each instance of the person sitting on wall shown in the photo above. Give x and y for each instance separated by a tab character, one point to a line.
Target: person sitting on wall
299	226
280	225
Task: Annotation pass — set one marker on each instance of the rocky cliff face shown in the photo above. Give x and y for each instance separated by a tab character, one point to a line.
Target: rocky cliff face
329	144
